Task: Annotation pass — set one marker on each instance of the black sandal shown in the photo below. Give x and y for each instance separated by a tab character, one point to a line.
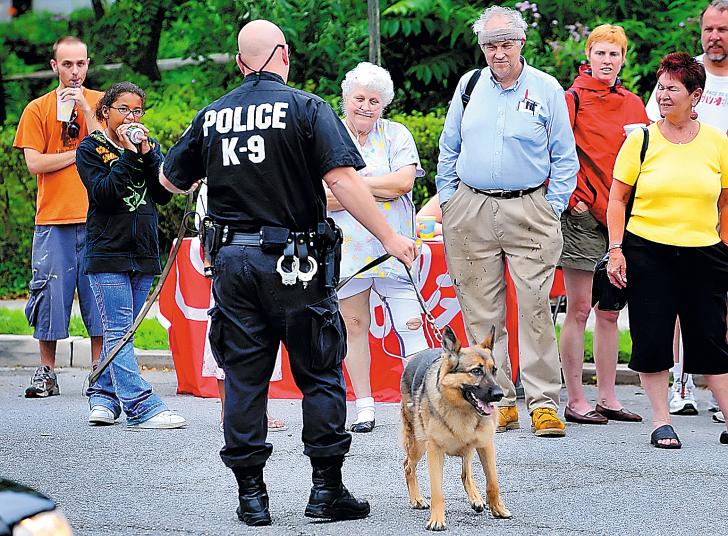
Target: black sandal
662	433
724	437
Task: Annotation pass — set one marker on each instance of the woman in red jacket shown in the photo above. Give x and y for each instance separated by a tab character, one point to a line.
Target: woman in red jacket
601	111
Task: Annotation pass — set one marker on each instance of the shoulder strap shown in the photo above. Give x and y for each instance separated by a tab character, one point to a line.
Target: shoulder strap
465	97
574	94
645	144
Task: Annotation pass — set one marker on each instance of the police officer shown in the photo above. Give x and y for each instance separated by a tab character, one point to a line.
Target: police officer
264	148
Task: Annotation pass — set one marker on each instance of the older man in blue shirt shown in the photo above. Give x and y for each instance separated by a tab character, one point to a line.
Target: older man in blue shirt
507	168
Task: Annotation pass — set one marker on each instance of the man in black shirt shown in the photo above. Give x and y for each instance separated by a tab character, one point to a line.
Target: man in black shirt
265	148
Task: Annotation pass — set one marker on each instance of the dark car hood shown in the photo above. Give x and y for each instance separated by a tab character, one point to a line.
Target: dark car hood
18	502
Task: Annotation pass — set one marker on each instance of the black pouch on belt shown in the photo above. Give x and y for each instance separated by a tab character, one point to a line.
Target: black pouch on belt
330	238
210	237
274	239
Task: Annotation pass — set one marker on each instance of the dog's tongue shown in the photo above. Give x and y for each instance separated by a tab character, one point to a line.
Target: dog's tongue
485	407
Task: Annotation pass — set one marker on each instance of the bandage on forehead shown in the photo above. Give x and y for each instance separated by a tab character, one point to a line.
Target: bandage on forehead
498	35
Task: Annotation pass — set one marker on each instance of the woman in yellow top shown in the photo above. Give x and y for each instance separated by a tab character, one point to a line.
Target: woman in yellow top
675	248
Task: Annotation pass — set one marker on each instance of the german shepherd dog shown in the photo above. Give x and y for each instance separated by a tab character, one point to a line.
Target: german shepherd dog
447	408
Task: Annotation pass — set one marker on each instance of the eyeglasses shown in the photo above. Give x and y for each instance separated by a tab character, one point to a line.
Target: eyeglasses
72	128
123	110
505	46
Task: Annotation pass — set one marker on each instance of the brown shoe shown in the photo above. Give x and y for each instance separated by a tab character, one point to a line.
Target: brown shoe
507	418
590	417
618	414
545	422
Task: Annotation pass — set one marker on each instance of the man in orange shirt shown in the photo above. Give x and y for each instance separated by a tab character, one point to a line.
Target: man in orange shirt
49	132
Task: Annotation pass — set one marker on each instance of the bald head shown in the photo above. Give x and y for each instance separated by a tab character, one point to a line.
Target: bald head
256	41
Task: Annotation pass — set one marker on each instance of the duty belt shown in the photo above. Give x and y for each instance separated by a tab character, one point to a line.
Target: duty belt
295	257
245	239
505	194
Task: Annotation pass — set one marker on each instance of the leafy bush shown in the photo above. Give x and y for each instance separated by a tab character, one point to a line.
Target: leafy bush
17	199
624	351
426	131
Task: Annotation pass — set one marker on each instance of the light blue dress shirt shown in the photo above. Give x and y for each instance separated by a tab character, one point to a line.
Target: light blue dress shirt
509	139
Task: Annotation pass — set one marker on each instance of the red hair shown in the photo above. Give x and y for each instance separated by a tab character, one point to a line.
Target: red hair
683	67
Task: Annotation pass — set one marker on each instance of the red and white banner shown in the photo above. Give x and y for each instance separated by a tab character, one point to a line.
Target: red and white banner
185	299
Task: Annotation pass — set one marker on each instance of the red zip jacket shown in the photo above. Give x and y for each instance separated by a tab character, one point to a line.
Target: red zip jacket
598	130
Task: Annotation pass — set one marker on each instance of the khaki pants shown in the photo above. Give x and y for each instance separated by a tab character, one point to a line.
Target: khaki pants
481	233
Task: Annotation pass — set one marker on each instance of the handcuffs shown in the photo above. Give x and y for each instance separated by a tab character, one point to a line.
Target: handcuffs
296	253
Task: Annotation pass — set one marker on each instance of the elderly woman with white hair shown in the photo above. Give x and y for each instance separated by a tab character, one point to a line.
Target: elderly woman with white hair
392	161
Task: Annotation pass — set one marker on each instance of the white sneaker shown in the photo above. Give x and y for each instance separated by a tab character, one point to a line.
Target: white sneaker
162	421
718	417
680	405
100	416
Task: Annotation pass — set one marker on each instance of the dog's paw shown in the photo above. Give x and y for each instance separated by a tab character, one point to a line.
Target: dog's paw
420	503
478	506
438	524
499	510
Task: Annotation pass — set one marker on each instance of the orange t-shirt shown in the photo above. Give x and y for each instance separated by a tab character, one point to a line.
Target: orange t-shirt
62	197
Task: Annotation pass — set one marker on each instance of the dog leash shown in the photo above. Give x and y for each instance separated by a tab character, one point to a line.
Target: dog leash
376	262
151	298
428	315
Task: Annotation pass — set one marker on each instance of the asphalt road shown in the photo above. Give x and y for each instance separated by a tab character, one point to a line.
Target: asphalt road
597	480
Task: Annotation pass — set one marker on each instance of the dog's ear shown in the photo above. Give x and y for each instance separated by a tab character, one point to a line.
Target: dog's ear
450	342
487	343
451	346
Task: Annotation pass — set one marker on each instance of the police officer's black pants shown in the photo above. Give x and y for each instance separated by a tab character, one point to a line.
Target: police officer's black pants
253	312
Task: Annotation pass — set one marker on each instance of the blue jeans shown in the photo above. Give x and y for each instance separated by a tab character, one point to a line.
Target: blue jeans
120	297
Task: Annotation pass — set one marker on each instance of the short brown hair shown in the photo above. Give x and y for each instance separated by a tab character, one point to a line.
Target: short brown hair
607	33
68	39
682	66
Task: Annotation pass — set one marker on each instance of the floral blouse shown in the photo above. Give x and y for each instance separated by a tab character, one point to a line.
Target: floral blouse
388	148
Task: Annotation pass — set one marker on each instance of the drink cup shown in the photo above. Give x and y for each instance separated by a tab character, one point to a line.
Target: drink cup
426	226
64	109
628	129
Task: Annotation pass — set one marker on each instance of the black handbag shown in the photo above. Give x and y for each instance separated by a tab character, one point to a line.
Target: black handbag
606	296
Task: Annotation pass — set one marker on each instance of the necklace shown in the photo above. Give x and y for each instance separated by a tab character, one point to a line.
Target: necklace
675	137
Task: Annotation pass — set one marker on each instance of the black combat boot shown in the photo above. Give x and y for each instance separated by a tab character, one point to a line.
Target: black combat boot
253	509
329	498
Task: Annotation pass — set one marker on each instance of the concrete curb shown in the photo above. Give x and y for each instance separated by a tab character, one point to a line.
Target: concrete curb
626	376
22	351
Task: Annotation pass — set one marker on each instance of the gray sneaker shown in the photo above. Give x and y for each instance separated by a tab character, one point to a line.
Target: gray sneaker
680	405
43	384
